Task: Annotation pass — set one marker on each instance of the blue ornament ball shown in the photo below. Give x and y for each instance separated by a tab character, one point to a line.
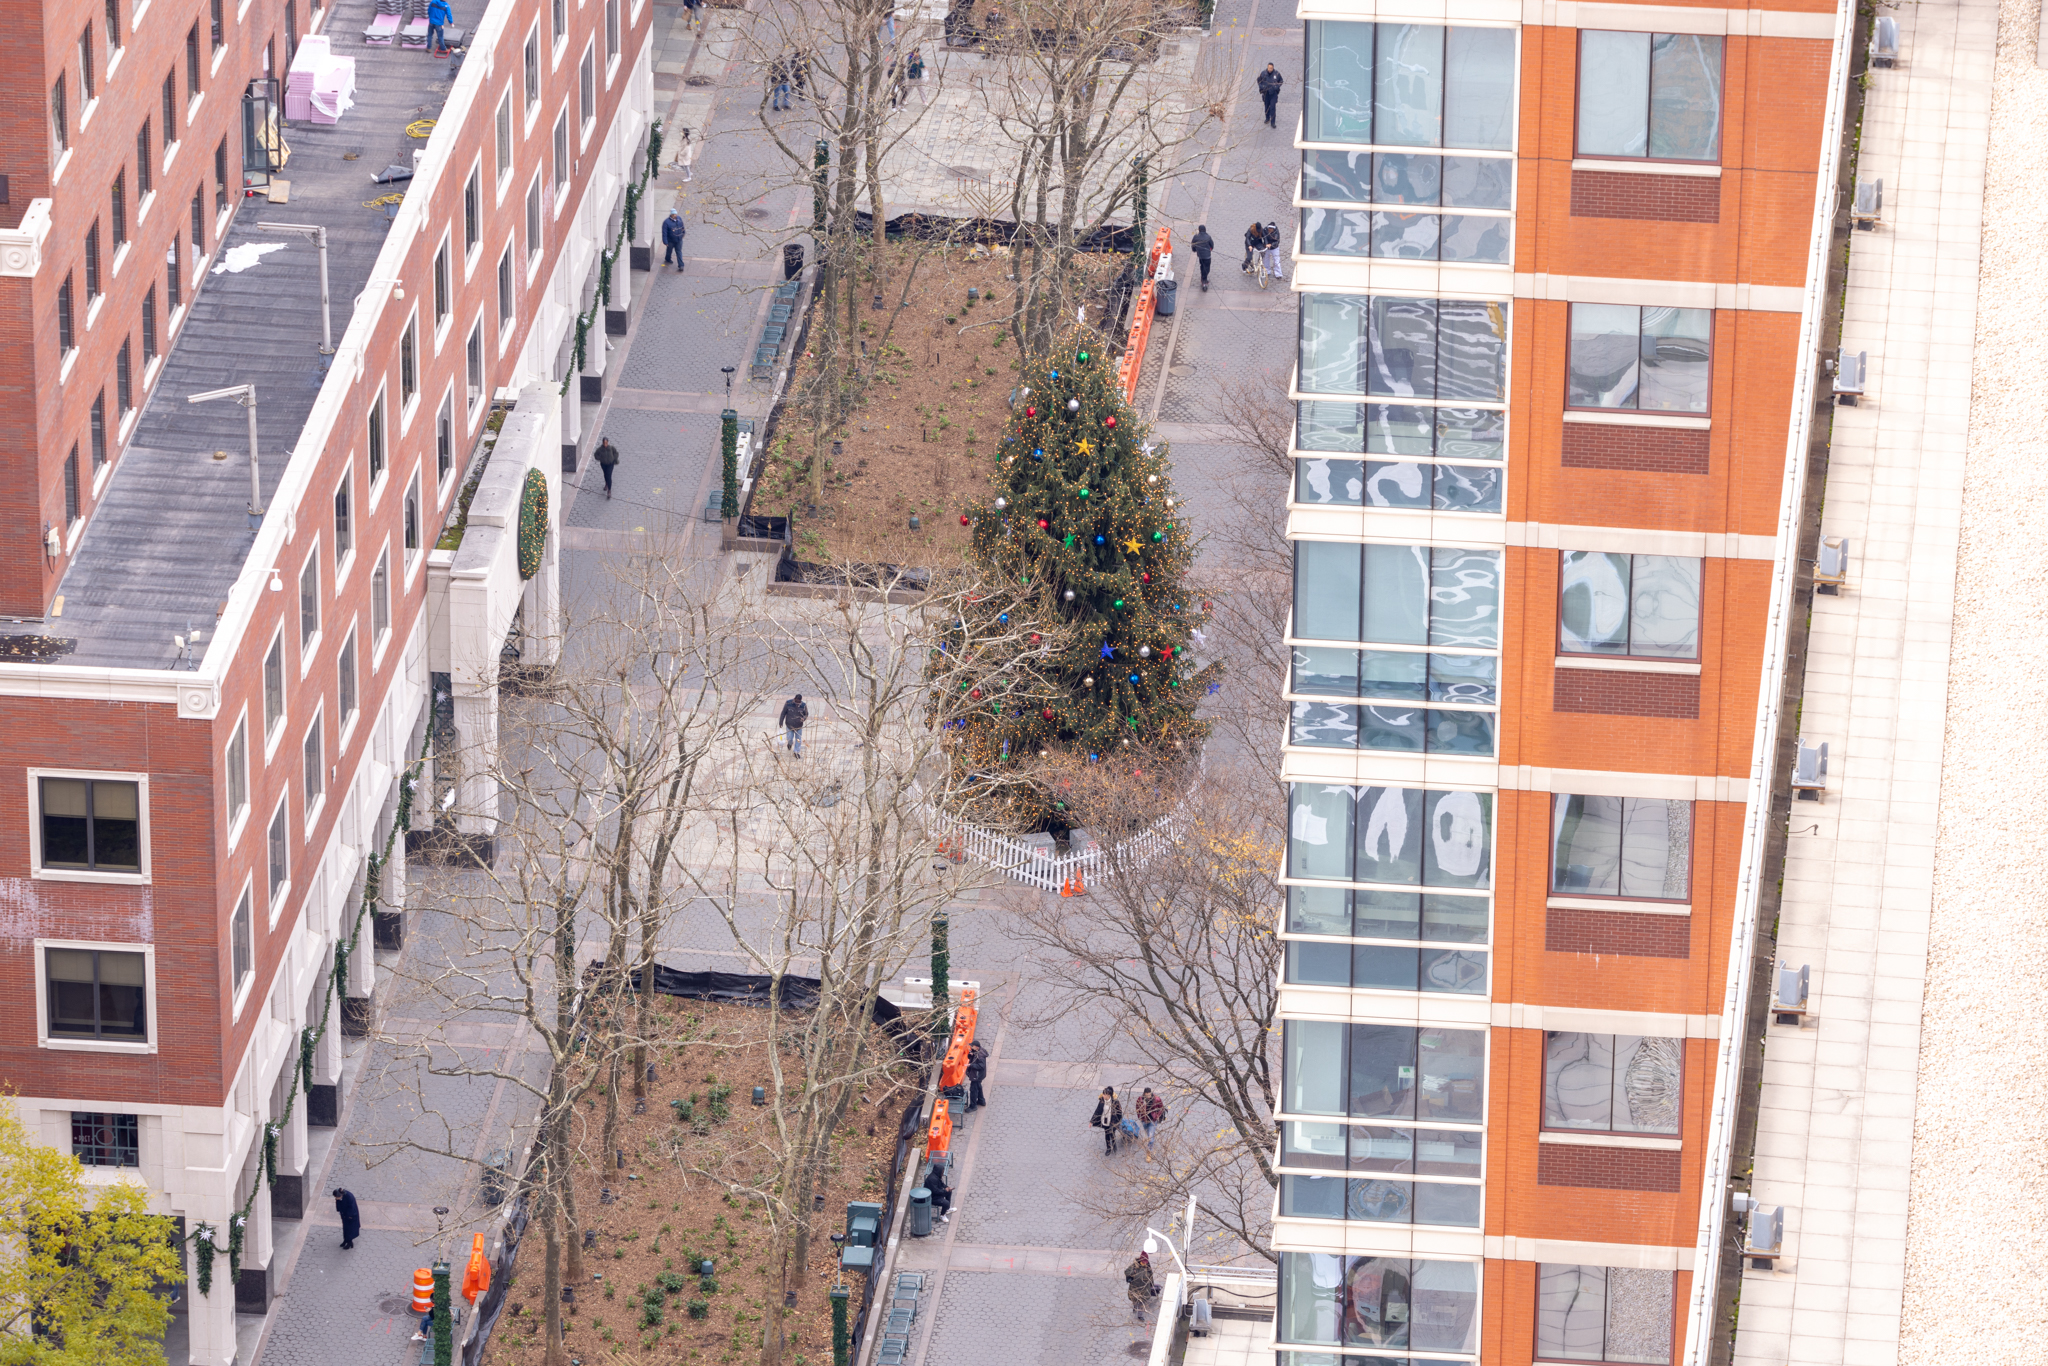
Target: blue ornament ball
1004	618
1098	540
1134	678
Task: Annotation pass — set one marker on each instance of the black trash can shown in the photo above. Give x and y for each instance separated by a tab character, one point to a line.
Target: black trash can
920	1213
792	260
1162	295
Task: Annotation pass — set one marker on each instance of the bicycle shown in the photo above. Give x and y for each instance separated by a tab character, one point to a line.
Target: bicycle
1259	272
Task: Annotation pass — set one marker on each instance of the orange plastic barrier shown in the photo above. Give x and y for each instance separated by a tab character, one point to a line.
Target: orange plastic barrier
940	1139
954	1070
1133	361
477	1278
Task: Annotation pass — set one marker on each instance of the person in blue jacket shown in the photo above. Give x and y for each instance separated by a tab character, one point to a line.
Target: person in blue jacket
439	16
672	233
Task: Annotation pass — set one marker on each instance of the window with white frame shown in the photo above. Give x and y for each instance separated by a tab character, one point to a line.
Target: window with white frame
561	168
242	938
473	364
410	522
533	218
504	140
530	65
380	601
89	825
278	850
273	686
611	33
409	362
377	435
315	748
444	288
309	604
236	766
346	700
444	437
97	994
506	289
473	212
586	86
344	523
1628	606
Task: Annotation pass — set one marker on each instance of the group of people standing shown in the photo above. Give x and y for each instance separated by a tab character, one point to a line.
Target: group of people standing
1149	1114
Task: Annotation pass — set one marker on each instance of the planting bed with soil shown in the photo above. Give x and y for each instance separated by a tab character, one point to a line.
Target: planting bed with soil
674	1205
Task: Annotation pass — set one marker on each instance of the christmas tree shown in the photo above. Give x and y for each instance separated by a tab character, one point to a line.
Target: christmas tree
1083	520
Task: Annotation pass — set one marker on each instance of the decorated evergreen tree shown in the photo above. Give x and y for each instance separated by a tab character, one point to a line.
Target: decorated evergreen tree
1082	518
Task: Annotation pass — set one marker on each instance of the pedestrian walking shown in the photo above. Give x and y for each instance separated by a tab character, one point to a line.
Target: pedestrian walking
607	456
977	1073
1203	245
439	16
1273	266
778	81
1270	82
691	14
942	1194
894	79
686	155
913	68
794	714
1138	1285
1109	1117
800	71
672	233
351	1217
1151	1114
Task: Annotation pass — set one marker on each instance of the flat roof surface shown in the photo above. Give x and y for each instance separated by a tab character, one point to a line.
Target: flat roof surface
172	530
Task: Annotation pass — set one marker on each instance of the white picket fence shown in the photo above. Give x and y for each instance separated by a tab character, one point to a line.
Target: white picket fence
1037	865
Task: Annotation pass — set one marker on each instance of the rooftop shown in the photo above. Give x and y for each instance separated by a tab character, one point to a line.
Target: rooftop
172	531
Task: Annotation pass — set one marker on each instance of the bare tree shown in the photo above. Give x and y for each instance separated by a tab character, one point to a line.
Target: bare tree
1175	953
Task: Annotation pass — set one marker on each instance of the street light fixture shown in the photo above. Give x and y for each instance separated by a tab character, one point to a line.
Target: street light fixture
1153	1238
727	371
244	394
319	236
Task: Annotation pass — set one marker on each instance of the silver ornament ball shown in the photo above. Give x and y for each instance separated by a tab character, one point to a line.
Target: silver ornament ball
1073	405
1144	652
1151	478
1002	503
1089	681
1069	595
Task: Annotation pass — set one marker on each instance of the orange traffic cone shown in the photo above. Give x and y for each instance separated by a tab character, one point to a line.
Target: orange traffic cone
422	1290
1080	884
1066	886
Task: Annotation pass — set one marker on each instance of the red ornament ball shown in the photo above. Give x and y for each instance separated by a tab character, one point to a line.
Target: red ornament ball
1109	422
1034	637
1048	713
1031	412
1146	577
963	519
1043	524
976	694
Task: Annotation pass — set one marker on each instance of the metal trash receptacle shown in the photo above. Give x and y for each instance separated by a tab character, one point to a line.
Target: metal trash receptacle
792	260
920	1213
1163	292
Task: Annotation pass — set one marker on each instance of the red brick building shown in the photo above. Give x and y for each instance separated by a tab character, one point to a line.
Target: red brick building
204	714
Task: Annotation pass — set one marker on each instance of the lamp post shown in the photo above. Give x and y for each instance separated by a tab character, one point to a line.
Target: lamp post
319	236
244	394
1153	1238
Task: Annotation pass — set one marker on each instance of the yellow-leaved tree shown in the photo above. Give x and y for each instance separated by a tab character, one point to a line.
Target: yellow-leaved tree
82	1268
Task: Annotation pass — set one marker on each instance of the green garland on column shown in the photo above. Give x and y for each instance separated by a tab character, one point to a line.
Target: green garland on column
203	1253
729	447
444	1330
270	1154
238	1228
626	220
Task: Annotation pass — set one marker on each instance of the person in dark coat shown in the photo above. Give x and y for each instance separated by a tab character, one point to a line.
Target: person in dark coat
1109	1117
942	1194
794	714
607	456
977	1073
672	233
351	1217
1203	245
1138	1285
1270	82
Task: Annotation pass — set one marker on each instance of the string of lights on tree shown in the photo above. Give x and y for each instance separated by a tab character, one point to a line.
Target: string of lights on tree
1083	517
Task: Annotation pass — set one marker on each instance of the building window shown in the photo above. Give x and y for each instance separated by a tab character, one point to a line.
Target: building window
97	994
316	766
71	507
219	31
558	11
98	429
472	213
1648	359
60	117
376	439
345	686
242	936
411	516
409	361
124	382
148	326
1481	188
586	85
113	26
380	600
1409	85
92	263
473	363
1400	455
443	302
174	286
220	174
444	439
1371	1071
561	154
504	288
1650	95
273	687
279	854
1392	836
198	223
170	95
1628	606
67	327
309	602
533	222
291	31
145	172
1612	1083
1331	1300
1639	848
192	63
102	1140
504	139
88	84
91	824
1604	1313
118	204
1452	350
236	762
1393	941
344	529
611	31
532	69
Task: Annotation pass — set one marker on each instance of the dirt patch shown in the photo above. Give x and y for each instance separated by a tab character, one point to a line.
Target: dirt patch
922	440
641	1296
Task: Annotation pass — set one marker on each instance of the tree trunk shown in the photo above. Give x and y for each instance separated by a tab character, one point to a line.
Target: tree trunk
551	1286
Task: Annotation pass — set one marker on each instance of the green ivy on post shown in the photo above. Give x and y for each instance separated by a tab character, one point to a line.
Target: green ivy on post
444	1328
533	523
729	446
